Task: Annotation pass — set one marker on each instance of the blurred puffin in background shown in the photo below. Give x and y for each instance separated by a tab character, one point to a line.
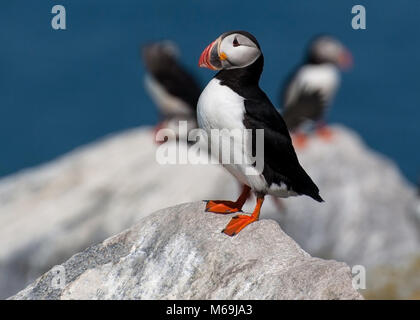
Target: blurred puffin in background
233	100
312	87
172	88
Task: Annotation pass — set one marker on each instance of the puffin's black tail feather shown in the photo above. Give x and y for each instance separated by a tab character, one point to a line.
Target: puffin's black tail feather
307	186
317	197
313	192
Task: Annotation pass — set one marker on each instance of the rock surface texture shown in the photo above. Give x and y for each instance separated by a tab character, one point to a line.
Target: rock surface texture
180	253
51	212
367	218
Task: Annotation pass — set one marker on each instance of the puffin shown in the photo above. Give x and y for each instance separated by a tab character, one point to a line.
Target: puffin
234	102
312	86
172	88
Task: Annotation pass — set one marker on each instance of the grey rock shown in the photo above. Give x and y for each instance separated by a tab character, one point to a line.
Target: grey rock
180	253
368	217
51	212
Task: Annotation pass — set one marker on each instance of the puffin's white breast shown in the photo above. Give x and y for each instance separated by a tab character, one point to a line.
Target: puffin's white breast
167	103
219	107
323	77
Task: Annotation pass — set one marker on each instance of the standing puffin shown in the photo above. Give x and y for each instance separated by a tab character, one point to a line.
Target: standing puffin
233	100
171	87
313	85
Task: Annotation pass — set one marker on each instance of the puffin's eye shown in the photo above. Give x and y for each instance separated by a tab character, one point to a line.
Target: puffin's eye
235	42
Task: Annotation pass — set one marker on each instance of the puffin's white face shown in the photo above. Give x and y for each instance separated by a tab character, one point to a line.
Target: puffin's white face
328	49
230	51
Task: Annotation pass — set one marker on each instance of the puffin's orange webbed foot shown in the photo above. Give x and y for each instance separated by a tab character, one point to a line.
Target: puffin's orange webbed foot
226	207
325	133
222	207
299	140
237	224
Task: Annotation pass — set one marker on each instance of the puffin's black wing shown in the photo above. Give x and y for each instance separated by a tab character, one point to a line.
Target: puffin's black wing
299	102
176	80
280	161
309	105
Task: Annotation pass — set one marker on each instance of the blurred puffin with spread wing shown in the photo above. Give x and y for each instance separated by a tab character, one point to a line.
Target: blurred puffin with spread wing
172	88
312	87
233	100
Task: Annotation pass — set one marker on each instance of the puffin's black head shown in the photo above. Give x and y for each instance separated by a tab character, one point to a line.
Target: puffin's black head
326	49
158	55
232	50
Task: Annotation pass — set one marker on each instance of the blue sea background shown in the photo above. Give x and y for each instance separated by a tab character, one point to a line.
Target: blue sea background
62	89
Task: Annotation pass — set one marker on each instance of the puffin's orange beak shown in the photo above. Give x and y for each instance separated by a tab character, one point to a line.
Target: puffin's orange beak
345	60
205	57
